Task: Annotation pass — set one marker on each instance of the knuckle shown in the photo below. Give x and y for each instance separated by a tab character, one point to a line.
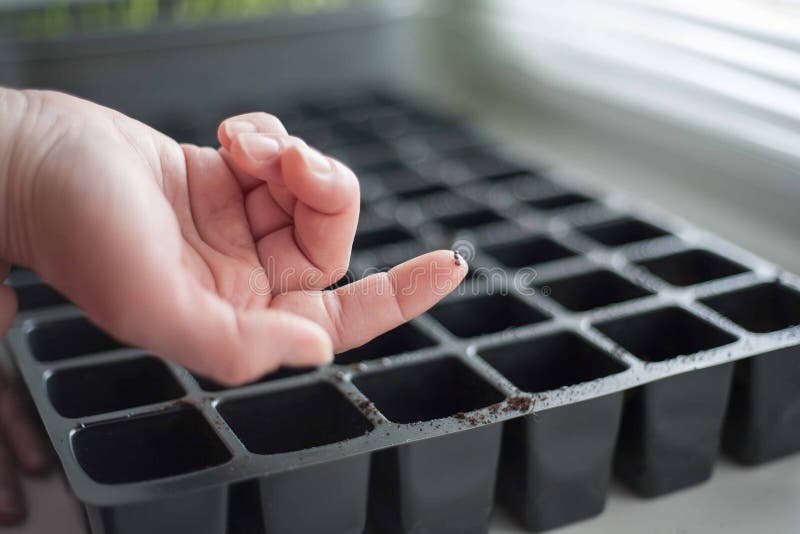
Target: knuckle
335	312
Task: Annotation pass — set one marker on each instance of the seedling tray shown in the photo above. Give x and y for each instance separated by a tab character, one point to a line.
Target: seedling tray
592	335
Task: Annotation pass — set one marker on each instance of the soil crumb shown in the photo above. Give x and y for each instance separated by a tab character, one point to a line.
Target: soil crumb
519	404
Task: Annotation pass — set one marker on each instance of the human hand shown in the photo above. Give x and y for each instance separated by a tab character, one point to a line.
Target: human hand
159	243
21	443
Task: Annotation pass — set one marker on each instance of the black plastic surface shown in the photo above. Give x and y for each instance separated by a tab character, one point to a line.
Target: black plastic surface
588	334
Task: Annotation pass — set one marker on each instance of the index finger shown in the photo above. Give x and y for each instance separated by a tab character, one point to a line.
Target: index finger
358	312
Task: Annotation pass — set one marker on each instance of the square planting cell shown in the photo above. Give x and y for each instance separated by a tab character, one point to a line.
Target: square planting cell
622	232
427	391
294	419
761	309
96	389
485	314
381	237
484	165
284	372
68	338
691	267
551	362
428	190
529	252
466	221
662	334
522	178
558	202
398	178
35	296
164	444
592	290
404	338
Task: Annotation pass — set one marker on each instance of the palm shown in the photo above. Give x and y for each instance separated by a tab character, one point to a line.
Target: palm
218	258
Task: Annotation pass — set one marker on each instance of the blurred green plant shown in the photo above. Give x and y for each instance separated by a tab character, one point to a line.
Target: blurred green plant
57	19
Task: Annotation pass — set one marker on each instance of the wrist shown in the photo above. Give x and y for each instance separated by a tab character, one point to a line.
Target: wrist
12	110
27	129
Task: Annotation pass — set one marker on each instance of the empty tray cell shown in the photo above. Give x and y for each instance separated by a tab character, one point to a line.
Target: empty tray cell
443	485
280	374
148	447
404	338
473	219
35	296
622	232
763	422
426	391
592	290
558	202
529	252
337	489
523	178
282	421
762	308
551	362
425	191
198	512
556	464
664	333
95	389
399	178
382	237
449	139
364	156
485	314
325	137
691	267
484	165
68	338
670	432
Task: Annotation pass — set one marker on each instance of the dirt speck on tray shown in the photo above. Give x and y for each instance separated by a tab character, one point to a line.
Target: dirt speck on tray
366	406
519	404
473	420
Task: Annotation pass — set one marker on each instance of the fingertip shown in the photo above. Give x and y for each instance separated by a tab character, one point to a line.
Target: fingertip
423	281
319	181
255	122
230	128
12	505
318	345
37	461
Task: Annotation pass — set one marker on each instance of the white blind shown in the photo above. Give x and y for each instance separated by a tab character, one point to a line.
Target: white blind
731	68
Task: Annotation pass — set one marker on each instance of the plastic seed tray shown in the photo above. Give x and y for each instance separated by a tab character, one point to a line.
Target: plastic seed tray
590	337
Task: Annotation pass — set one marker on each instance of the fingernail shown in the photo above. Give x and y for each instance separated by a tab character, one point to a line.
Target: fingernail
259	147
235	127
316	162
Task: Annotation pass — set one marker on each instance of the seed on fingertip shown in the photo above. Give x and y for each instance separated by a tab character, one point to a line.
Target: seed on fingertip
456	258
